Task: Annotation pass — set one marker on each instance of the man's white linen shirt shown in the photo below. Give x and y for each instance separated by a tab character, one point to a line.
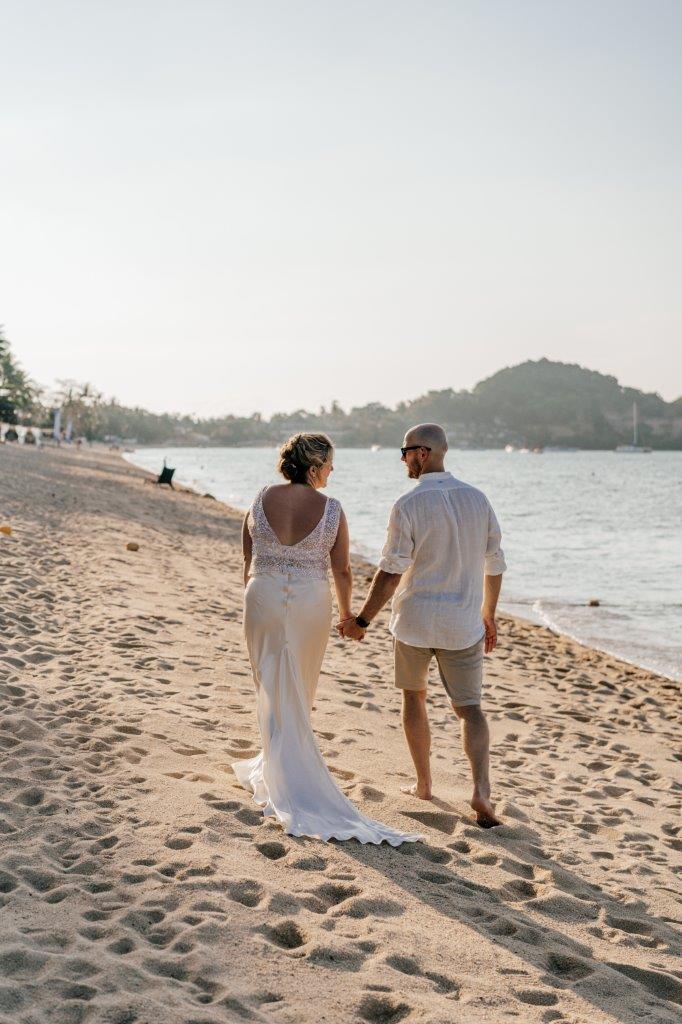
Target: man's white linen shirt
443	537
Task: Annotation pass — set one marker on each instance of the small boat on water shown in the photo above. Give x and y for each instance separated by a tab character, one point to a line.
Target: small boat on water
635	448
375	448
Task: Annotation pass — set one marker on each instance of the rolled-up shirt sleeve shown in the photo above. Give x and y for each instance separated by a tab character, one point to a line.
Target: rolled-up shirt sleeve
398	553
495	564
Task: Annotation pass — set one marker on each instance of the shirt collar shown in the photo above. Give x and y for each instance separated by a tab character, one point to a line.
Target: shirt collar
434	477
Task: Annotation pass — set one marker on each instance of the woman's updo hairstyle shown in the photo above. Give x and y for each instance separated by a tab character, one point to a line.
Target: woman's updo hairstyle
300	453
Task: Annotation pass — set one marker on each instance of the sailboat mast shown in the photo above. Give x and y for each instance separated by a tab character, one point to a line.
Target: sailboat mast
634	424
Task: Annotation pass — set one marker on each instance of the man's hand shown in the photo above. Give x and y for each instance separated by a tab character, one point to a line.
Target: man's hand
490	631
351	631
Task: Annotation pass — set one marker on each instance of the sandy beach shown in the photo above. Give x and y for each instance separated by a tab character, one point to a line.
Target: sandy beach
139	884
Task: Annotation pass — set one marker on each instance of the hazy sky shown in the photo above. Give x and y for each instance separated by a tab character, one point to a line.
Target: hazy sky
225	207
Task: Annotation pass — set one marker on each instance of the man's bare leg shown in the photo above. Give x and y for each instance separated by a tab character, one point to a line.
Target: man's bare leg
418	736
476	743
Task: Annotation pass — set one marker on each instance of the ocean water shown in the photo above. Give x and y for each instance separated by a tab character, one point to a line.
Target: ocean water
576	526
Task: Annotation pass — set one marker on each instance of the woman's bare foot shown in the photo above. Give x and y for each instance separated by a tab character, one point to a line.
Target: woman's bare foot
422	792
485	812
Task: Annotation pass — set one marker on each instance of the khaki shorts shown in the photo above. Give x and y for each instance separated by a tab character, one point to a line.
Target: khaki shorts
461	672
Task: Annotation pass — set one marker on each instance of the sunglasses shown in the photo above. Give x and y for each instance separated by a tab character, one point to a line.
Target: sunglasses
414	448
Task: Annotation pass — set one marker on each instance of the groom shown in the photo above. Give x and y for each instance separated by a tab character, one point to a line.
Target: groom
442	564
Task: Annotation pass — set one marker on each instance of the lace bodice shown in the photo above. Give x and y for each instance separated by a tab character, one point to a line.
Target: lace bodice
310	557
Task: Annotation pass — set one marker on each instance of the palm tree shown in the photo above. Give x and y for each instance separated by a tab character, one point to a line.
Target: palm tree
81	403
17	390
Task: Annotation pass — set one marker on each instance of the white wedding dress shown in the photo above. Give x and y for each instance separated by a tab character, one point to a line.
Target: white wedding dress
287	616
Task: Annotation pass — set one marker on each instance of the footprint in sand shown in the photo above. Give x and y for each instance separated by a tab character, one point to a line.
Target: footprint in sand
568	968
30	797
286	935
500	925
242	753
248	817
517	890
311	862
536	997
329	895
443	984
178	843
226	805
663	986
410	966
439	820
7	882
361	907
19	963
517	867
336	957
241	744
461	846
41	881
435	878
273	850
121	947
382	1009
486	858
404	964
564	907
364	792
248	892
627	924
431	853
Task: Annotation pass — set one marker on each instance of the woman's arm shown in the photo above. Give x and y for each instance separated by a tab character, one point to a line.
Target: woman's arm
341	570
247	548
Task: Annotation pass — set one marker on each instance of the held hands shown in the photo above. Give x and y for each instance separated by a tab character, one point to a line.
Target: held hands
349	629
340	624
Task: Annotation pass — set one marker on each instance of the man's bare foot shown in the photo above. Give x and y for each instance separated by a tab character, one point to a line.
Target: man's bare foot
485	812
422	792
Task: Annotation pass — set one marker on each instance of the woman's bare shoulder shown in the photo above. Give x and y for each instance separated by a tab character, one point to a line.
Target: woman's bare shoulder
293	496
309	498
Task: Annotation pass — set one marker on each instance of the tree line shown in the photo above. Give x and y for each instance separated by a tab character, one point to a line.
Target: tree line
537	403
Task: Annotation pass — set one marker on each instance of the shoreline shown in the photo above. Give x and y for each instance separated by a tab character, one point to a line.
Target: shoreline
548	450
138	882
368	566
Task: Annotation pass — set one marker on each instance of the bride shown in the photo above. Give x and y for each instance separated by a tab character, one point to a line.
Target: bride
291	535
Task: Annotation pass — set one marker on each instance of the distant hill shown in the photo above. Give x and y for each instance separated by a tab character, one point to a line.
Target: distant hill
537	403
550	403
